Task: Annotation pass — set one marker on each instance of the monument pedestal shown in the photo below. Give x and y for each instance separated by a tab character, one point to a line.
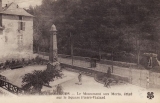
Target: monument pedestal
53	65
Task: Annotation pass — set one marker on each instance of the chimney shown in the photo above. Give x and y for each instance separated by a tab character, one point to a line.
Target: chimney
0	5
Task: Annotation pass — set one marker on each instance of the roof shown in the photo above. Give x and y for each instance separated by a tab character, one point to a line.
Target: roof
14	10
5	8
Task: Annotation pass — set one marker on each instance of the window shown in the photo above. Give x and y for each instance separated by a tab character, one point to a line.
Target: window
21	26
20	18
20	41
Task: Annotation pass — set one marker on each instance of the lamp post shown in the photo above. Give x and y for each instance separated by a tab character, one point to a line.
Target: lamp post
53	56
71	42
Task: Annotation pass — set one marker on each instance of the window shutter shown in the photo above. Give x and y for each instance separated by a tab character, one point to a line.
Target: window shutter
19	25
23	26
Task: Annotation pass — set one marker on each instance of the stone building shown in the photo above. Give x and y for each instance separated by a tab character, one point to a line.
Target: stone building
16	32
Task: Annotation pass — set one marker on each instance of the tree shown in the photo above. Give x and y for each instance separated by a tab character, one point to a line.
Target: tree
33	82
99	24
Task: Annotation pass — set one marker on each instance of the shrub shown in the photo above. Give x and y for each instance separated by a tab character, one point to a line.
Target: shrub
33	82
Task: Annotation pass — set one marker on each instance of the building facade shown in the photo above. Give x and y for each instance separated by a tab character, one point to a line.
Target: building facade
16	32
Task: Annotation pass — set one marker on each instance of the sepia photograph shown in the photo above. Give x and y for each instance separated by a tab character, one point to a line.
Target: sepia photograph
99	51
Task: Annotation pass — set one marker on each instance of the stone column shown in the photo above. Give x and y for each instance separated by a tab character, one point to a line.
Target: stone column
53	56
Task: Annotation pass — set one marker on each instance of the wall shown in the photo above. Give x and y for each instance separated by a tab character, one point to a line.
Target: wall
9	38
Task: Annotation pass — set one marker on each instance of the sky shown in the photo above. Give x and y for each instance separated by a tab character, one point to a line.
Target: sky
23	3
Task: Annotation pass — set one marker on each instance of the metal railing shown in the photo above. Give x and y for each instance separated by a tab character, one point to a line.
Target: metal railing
10	87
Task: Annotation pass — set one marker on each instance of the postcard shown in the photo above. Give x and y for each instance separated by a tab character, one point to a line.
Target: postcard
97	51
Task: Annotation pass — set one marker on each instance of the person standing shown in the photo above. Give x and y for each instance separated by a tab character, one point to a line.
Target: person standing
147	84
80	78
109	72
59	89
105	82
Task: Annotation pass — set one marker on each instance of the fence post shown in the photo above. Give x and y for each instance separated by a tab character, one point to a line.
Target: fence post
8	86
17	90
